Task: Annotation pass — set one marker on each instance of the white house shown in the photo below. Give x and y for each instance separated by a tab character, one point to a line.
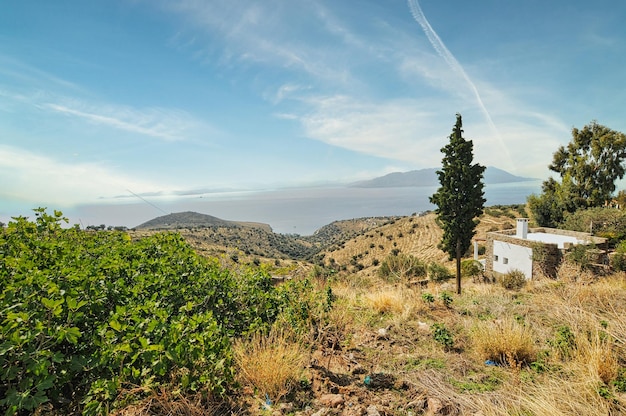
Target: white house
531	250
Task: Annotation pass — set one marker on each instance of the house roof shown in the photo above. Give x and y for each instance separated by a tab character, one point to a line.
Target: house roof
558	239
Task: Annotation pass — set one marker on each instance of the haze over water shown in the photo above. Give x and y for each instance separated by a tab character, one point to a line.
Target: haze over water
298	210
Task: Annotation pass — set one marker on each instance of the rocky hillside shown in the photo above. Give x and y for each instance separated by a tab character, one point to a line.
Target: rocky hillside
356	245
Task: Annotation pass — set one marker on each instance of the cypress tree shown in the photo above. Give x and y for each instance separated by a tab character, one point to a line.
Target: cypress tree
460	198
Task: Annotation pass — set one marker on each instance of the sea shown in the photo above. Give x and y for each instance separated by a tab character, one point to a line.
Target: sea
291	210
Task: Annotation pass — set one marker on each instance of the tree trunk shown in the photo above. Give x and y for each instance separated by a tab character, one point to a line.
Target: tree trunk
458	267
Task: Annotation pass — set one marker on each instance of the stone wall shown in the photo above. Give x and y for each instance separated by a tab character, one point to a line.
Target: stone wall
546	257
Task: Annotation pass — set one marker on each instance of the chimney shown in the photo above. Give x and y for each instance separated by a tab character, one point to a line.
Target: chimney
522	228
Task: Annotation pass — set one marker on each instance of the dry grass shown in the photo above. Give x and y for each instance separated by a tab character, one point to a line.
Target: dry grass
504	342
386	300
597	358
165	402
270	364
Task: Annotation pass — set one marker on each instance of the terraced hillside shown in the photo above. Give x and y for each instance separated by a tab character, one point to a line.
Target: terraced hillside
418	236
356	245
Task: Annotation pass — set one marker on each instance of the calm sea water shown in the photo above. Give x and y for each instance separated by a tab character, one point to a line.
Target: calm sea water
299	211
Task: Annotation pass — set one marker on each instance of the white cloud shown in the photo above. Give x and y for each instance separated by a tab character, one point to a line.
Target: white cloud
399	129
166	124
31	177
283	92
253	33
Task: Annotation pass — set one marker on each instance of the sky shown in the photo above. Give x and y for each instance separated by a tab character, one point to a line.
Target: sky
109	99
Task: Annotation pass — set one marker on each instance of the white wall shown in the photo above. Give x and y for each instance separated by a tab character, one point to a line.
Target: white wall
512	257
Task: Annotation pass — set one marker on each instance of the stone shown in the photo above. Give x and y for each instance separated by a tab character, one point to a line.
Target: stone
372	410
331	400
322	412
434	406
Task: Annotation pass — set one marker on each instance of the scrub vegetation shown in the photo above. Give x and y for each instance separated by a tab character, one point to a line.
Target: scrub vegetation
128	323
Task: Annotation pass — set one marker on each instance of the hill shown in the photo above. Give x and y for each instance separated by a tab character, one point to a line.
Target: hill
357	245
190	219
212	236
416	235
428	177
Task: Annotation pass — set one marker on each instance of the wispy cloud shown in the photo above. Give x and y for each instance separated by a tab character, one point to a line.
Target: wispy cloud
370	127
329	89
253	33
158	123
20	72
32	177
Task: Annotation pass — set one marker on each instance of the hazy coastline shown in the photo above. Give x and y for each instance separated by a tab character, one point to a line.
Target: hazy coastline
293	210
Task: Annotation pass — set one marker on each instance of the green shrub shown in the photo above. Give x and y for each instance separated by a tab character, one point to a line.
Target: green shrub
564	341
471	268
428	297
88	314
438	272
401	266
580	255
446	298
442	335
513	280
618	259
620	381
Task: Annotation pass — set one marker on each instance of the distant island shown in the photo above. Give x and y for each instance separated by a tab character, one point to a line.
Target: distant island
428	177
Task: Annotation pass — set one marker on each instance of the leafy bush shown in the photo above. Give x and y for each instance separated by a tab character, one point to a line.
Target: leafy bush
618	260
446	299
438	272
428	297
563	342
609	223
513	280
86	314
471	268
442	335
620	381
580	255
401	266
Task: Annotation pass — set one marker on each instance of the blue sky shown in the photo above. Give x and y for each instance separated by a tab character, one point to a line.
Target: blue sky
100	99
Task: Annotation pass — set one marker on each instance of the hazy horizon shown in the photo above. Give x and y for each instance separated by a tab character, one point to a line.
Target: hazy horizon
295	210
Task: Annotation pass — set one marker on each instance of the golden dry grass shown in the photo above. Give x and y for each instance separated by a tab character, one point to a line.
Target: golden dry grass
270	364
389	300
505	342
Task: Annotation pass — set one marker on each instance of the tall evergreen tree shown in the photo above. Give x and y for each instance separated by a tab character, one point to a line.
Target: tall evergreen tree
460	199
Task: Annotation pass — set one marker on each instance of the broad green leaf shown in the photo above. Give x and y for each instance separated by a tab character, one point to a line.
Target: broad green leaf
115	325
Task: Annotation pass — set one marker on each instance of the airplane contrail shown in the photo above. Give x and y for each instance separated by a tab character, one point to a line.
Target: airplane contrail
447	56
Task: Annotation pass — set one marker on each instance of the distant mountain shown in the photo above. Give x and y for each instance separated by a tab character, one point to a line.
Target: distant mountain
190	219
428	177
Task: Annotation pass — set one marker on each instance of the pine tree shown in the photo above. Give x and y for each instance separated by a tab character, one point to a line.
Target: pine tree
460	199
588	166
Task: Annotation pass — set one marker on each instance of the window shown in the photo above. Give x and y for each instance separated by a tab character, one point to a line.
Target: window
505	260
495	258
